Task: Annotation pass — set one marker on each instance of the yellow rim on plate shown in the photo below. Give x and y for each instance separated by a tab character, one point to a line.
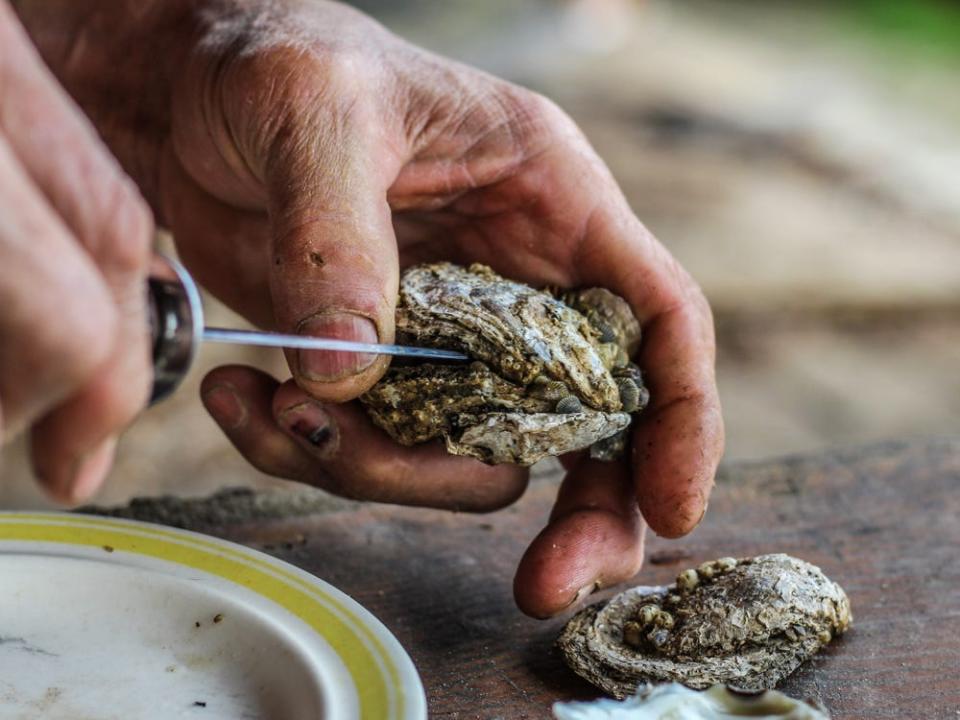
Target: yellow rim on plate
372	668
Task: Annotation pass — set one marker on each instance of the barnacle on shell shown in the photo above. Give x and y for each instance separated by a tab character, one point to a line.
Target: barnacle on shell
747	623
551	374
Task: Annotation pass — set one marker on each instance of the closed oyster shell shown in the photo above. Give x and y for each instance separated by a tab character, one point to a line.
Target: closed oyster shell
548	379
747	623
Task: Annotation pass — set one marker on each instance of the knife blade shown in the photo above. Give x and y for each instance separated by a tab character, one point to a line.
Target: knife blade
303	342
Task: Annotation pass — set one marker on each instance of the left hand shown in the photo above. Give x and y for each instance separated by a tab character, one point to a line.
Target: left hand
302	155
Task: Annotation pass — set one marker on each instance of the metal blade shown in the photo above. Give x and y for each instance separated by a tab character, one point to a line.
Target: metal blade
302	342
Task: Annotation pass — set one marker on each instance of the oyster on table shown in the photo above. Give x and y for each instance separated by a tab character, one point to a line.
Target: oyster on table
747	623
551	373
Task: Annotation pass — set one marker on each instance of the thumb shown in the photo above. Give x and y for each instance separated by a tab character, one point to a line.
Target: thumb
335	266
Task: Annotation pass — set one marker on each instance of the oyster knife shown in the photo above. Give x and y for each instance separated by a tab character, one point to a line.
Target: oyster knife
177	327
301	342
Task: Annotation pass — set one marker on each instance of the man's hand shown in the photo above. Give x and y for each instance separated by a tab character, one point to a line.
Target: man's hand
302	155
74	245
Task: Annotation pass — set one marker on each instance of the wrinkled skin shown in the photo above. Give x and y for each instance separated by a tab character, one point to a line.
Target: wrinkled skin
302	155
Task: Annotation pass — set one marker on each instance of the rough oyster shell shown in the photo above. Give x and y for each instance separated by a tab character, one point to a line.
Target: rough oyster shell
676	702
747	623
548	378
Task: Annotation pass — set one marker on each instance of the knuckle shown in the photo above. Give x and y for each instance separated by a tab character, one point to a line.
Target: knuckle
538	120
124	396
694	296
682	292
341	71
92	334
284	102
531	108
509	122
440	99
124	229
86	342
289	75
79	319
53	340
700	302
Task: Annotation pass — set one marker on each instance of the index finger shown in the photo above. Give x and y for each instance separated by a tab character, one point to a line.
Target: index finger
678	440
105	216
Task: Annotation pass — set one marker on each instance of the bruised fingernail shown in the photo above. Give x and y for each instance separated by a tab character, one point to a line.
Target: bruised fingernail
312	427
326	366
92	471
224	404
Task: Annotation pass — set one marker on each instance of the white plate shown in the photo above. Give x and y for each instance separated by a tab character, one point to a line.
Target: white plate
104	619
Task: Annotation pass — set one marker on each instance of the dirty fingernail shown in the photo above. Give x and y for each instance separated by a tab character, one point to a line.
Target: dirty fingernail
224	404
326	366
310	425
92	471
583	592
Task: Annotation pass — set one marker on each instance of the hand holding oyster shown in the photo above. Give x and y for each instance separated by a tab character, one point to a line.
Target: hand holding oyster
551	373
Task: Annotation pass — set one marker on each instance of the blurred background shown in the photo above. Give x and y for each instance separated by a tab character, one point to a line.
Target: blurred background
802	160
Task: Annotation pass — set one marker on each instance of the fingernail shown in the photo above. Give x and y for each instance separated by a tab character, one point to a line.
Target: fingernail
703	514
326	366
224	404
92	471
588	589
312	427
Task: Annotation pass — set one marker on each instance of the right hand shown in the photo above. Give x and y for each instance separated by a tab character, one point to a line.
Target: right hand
74	250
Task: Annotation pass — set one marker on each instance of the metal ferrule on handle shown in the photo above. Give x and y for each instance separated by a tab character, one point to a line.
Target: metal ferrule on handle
176	324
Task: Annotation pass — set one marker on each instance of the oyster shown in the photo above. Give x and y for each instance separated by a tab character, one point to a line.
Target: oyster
676	702
747	623
552	373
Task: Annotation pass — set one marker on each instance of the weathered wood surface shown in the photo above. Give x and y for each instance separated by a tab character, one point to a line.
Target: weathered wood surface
883	521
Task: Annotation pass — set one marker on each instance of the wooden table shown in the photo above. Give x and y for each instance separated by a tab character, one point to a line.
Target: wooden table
883	521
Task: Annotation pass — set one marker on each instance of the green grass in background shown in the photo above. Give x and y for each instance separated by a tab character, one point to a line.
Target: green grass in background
928	28
924	31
